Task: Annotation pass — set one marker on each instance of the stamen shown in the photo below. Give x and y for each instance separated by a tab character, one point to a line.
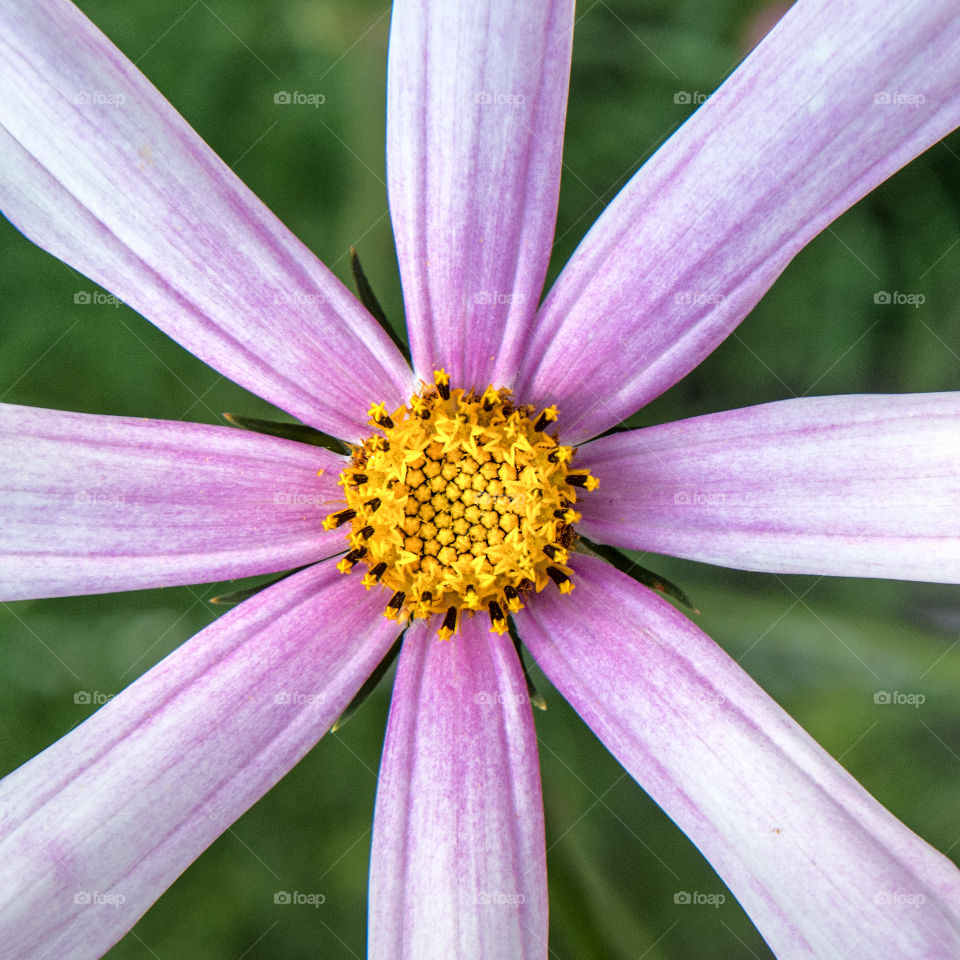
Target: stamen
338	519
395	605
584	479
560	579
467	507
449	624
548	416
498	622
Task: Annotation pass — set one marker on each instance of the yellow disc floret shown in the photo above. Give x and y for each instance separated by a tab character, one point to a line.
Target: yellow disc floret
460	503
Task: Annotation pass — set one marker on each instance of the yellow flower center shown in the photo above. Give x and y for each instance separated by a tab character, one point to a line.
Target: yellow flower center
460	503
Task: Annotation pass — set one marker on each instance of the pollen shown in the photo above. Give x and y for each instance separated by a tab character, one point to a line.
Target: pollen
460	504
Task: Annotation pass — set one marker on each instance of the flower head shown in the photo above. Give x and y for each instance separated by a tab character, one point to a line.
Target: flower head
470	488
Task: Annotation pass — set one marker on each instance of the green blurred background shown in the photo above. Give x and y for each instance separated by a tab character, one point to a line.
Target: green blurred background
821	647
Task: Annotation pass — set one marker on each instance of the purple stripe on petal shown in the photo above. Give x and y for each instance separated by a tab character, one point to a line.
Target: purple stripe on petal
822	869
458	867
97	168
864	486
97	826
116	503
832	102
477	97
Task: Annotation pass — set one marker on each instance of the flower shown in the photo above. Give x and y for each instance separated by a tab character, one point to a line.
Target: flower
133	795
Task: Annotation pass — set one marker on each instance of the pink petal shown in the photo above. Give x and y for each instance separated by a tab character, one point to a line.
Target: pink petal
97	826
477	96
97	168
458	867
863	486
822	869
791	140
94	504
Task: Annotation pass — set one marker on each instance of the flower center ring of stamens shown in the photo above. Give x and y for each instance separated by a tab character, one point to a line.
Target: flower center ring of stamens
460	503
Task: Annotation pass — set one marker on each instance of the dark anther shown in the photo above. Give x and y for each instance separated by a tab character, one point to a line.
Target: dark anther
557	576
379	570
367	533
356	555
359	478
343	516
444	390
496	614
450	620
577	479
373	504
396	601
542	421
551	551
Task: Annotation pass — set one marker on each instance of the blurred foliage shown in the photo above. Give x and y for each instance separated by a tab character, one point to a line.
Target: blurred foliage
821	647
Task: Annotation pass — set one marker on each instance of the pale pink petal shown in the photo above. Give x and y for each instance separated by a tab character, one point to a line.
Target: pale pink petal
458	867
477	95
790	141
95	504
97	826
822	869
865	486
97	168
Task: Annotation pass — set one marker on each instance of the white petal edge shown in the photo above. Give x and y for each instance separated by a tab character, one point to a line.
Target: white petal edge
458	867
97	826
864	486
94	504
821	868
99	170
